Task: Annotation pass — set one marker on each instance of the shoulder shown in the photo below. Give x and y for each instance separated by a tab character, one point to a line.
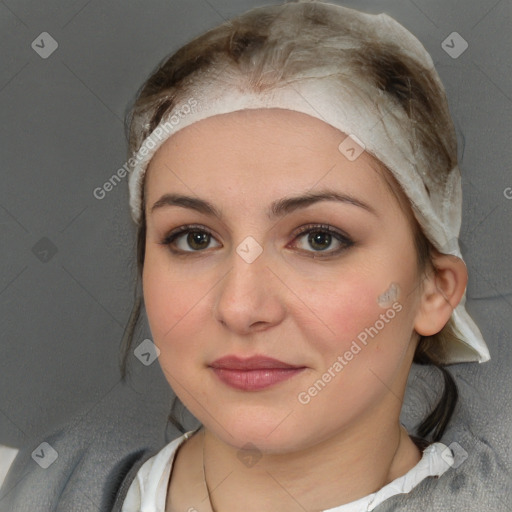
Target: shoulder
7	456
80	467
146	483
465	484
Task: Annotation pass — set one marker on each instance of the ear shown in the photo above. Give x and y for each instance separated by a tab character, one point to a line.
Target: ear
442	291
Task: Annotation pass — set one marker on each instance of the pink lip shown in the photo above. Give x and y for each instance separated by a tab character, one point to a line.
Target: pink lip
253	373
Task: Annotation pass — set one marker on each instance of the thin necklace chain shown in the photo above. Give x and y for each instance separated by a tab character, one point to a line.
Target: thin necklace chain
204	478
208	489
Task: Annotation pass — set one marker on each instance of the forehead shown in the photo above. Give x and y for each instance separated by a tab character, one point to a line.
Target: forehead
263	152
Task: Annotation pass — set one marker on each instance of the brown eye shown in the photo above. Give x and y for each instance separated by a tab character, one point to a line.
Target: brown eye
190	239
198	240
319	240
316	239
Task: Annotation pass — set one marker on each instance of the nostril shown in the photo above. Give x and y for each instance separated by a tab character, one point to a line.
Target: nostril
258	326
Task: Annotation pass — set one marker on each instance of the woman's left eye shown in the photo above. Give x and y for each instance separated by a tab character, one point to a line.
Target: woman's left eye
321	239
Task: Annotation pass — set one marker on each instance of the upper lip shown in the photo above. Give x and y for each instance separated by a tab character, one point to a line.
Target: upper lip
250	363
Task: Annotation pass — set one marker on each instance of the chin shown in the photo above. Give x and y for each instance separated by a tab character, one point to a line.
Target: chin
269	433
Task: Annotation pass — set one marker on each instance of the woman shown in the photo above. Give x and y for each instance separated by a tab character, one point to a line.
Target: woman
298	201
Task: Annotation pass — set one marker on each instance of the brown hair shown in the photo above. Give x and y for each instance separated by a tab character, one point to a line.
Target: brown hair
256	49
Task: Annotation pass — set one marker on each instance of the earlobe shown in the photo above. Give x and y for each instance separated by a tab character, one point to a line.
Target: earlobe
442	292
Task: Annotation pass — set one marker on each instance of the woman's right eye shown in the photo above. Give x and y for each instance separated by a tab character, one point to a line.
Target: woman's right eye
190	239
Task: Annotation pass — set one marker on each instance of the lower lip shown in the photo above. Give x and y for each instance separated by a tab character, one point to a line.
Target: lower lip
254	380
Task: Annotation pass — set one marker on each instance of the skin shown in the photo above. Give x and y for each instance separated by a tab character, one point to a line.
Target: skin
295	303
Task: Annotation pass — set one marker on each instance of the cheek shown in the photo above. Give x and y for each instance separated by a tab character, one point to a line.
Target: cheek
361	354
347	305
364	316
175	307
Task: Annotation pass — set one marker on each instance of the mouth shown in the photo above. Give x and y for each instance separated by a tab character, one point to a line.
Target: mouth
253	373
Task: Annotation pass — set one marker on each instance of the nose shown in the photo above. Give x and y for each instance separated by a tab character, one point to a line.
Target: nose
250	298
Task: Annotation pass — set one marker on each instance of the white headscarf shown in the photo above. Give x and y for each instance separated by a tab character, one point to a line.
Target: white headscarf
371	121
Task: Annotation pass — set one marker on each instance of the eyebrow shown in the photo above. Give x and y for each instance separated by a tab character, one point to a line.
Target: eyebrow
186	202
288	205
278	208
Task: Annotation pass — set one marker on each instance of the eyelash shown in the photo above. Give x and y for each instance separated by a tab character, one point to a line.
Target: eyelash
171	237
341	237
344	240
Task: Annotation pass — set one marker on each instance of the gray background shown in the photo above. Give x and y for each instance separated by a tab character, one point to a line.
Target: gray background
68	260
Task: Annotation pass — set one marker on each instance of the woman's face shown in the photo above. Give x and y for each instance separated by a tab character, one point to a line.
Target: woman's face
279	246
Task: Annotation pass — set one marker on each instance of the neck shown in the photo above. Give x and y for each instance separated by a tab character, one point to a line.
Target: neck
335	471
